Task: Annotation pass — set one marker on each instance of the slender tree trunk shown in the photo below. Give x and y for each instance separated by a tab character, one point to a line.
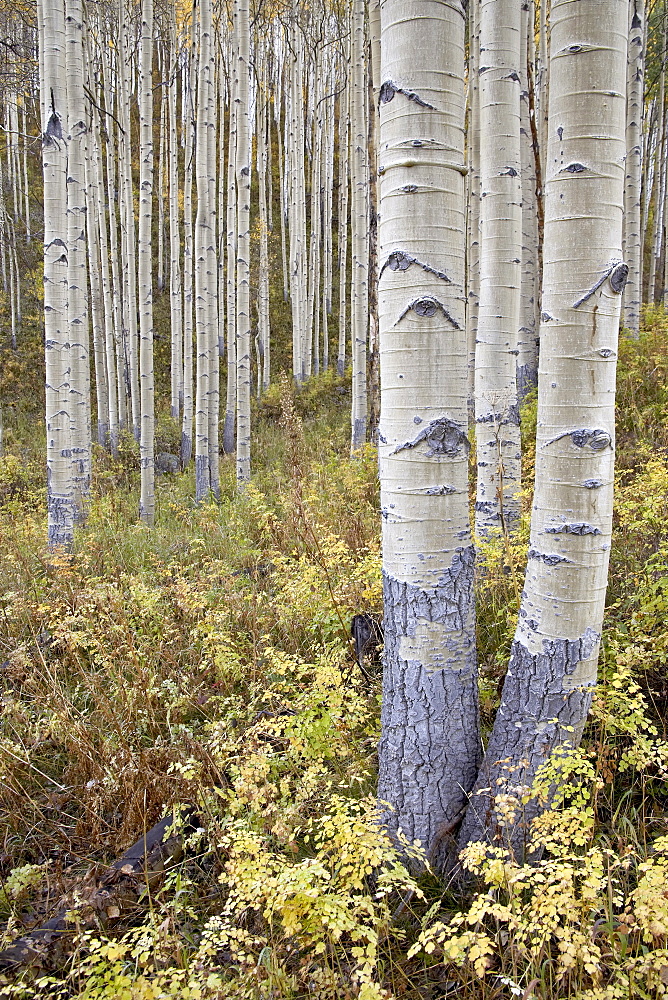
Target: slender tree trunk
632	188
344	185
496	410
473	201
146	377
360	229
552	669
229	430
430	743
188	257
202	238
242	32
77	301
60	485
527	338
175	292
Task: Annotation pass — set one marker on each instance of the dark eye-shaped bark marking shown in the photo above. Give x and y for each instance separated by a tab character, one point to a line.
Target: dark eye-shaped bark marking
389	89
442	436
399	260
574	168
618	272
549	558
575	528
428	306
597	439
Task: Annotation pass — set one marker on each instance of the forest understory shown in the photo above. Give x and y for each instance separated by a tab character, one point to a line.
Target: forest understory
203	669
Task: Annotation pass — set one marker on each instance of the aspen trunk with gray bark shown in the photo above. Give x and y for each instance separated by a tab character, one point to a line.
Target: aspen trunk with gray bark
430	744
552	670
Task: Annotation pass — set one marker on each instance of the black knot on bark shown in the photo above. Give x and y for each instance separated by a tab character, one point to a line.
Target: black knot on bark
618	277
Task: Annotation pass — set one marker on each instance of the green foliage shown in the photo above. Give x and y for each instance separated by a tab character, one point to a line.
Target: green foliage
208	661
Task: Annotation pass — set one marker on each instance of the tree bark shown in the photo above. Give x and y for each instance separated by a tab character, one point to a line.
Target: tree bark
552	670
430	743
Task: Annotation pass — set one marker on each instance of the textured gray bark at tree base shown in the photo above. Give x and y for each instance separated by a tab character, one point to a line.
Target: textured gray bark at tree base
544	704
429	752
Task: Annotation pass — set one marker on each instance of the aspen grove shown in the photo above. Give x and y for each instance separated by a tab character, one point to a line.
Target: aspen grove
328	330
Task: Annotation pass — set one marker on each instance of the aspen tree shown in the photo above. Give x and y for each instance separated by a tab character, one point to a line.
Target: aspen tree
176	311
60	486
203	237
552	670
25	173
229	430
96	304
429	746
212	282
527	338
77	272
243	344
146	376
161	171
129	255
496	410
263	276
342	231
109	306
282	179
473	199
188	251
359	304
659	175
633	234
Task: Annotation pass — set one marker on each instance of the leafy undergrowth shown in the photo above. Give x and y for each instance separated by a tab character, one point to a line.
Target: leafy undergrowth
208	663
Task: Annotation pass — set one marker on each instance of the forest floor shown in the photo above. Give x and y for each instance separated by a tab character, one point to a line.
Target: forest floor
204	669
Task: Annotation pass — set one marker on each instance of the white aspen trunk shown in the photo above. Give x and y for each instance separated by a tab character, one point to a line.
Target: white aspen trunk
473	200
212	282
3	231
496	411
328	187
229	429
162	141
342	229
297	210
632	188
223	102
97	208
243	340
202	240
552	669
26	197
96	303
175	310
372	96
648	158
77	272
282	179
188	256
543	77
60	486
430	743
146	376
117	298
527	337
660	174
314	275
129	257
359	229
263	276
14	282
